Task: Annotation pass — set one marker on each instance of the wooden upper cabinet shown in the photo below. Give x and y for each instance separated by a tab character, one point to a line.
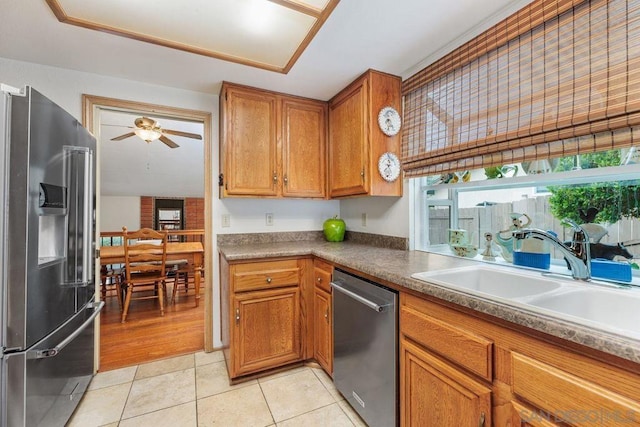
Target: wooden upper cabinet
304	148
356	142
249	145
348	149
272	145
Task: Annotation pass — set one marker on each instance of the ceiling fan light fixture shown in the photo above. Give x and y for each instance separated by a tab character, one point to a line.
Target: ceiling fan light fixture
148	134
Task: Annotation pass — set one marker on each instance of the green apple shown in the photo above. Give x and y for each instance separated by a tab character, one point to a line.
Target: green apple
334	229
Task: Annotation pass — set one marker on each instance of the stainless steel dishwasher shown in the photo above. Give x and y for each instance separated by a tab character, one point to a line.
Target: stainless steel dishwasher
365	347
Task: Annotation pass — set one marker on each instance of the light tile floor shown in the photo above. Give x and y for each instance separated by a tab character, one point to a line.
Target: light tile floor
194	390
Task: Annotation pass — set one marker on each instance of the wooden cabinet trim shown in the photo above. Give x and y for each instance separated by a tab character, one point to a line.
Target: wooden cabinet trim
464	348
265	275
523	415
322	279
601	372
563	394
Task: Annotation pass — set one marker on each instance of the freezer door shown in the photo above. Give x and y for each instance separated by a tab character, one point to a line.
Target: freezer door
48	381
50	236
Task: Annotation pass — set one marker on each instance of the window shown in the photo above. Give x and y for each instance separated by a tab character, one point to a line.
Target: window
585	189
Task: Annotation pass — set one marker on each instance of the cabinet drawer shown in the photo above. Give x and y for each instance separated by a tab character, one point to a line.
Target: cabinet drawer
460	346
265	275
322	275
569	398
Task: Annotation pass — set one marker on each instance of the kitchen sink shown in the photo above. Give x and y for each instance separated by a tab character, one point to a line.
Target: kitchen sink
487	281
615	310
584	303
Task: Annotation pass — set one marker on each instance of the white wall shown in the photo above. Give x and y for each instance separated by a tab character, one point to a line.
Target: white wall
385	215
119	211
65	87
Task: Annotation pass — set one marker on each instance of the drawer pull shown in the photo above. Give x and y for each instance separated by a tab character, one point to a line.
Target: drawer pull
319	279
481	421
268	279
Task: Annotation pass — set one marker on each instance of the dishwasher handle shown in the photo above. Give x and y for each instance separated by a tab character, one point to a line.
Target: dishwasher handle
372	305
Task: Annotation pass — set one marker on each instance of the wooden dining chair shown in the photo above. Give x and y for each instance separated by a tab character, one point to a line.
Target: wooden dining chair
145	255
182	273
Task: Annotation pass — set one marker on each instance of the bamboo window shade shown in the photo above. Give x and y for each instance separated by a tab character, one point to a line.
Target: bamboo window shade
557	78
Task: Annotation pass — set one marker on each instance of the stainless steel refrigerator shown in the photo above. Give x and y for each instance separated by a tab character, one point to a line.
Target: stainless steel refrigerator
47	250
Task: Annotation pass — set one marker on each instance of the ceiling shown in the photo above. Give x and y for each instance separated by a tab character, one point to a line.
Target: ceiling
132	167
269	34
397	37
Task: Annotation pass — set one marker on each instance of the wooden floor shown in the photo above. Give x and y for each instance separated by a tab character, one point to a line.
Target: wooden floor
146	335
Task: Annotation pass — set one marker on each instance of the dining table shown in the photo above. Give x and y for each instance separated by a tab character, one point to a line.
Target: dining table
193	252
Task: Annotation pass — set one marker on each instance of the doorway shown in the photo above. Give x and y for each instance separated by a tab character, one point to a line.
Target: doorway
93	108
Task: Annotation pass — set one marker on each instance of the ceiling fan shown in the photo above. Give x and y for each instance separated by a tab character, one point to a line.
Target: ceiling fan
150	130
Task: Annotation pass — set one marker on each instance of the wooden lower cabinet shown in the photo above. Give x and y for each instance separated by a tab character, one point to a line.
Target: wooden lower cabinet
323	335
323	318
456	365
261	314
267	329
434	393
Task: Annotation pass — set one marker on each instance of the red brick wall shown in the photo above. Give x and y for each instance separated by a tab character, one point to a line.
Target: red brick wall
194	213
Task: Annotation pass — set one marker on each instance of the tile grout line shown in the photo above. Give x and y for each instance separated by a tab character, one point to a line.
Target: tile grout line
337	402
267	402
128	394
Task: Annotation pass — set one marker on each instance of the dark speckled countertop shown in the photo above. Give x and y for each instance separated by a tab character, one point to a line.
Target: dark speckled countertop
397	266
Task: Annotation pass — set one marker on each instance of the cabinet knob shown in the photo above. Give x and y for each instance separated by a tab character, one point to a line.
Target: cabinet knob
285	180
362	173
319	279
268	279
275	178
326	315
237	315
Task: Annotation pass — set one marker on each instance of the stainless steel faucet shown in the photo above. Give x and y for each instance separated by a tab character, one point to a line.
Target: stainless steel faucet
578	254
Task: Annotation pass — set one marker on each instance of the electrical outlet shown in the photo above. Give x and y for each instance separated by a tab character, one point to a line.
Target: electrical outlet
364	219
268	219
226	220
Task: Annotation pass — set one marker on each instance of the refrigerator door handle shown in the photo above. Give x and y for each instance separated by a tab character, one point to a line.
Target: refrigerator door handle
53	351
87	259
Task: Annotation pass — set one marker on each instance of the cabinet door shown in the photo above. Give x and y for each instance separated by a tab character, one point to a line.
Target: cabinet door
433	393
250	143
323	336
266	333
348	143
304	162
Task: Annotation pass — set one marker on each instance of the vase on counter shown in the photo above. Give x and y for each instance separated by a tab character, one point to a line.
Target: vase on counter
504	238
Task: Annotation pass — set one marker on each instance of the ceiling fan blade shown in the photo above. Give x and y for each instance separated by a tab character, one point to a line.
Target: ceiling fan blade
169	142
179	133
121	137
117	126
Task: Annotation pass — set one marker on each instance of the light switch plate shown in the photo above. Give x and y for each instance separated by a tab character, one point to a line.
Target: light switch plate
268	219
226	220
